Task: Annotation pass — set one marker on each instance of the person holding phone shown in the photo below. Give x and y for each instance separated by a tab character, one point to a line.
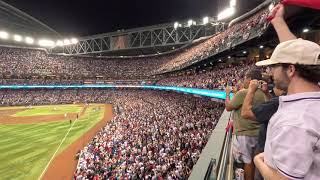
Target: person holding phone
245	131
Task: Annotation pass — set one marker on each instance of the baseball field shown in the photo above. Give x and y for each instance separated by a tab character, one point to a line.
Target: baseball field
42	141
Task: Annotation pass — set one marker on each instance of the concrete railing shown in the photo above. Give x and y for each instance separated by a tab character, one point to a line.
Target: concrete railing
213	150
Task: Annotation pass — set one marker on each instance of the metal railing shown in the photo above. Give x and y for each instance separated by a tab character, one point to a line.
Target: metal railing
223	166
211	168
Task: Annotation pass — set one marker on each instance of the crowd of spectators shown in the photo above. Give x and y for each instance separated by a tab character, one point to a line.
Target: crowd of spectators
216	78
33	66
36	65
232	36
156	135
11	97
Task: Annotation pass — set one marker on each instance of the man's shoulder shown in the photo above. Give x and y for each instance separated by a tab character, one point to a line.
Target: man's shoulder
242	92
302	116
260	95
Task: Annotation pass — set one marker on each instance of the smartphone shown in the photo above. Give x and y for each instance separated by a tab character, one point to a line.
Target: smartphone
260	84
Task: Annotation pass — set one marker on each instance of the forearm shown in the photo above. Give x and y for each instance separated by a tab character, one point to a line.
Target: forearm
282	29
228	103
246	111
267	172
263	169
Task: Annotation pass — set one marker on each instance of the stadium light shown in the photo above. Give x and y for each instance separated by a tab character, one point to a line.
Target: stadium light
17	38
4	35
66	42
261	47
205	20
46	43
229	57
59	43
176	25
74	41
305	30
244	52
228	12
233	3
29	40
190	22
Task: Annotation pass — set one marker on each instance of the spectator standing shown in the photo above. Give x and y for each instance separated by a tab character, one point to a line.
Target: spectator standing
292	144
245	131
260	113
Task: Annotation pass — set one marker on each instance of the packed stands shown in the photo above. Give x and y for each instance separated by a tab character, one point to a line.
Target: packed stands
216	78
33	66
156	136
234	35
36	64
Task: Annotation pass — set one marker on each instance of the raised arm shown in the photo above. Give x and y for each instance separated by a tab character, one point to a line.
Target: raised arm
246	111
280	25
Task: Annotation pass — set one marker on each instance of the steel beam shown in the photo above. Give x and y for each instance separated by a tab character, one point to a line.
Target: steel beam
146	37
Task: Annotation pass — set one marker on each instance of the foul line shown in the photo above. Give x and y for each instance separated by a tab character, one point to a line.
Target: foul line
45	169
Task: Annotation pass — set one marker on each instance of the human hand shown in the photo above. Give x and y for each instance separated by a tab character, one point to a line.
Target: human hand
258	159
254	85
276	13
265	88
228	90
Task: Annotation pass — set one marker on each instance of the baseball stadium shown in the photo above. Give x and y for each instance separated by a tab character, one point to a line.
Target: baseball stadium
158	91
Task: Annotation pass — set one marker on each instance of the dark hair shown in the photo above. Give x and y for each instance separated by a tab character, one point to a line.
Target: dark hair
310	73
254	74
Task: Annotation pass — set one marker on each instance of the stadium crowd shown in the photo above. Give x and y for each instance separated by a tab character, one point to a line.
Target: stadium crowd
160	135
233	35
156	136
42	97
216	78
34	66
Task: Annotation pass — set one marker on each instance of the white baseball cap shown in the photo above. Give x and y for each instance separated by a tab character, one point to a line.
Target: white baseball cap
297	51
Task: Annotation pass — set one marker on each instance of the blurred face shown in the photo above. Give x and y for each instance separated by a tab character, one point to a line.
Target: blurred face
280	77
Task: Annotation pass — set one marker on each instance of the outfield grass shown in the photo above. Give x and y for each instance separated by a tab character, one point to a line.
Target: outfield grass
25	149
49	110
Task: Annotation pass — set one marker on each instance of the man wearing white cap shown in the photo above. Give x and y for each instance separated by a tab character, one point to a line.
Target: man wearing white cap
292	149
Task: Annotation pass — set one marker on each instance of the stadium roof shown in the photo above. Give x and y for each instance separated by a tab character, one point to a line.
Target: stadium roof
82	18
17	21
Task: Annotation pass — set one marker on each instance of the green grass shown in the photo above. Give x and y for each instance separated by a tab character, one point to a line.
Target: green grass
49	110
25	149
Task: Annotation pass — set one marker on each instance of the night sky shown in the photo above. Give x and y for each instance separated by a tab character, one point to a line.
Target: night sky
88	17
